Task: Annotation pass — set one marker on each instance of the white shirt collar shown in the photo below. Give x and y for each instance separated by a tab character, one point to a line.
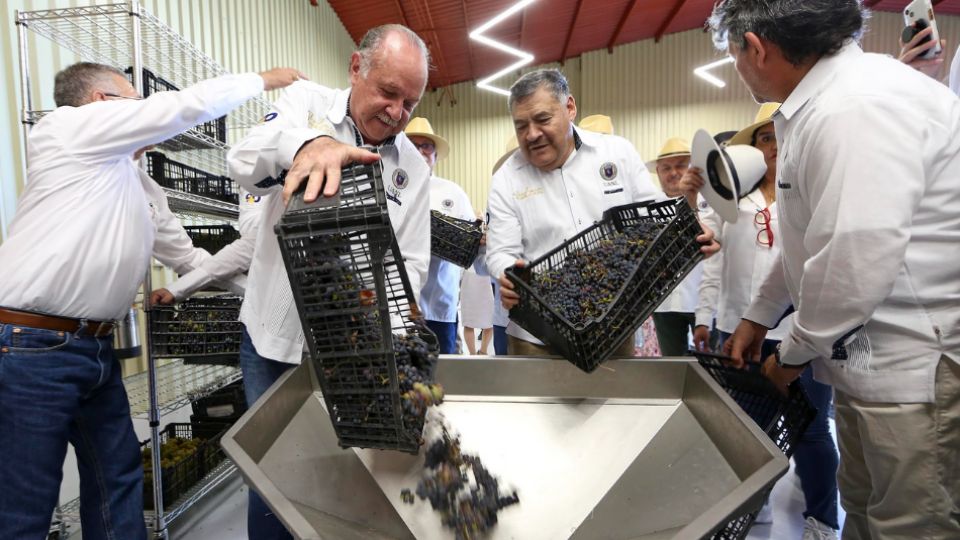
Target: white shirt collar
818	77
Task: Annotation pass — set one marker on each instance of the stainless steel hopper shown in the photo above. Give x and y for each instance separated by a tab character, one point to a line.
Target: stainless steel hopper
640	448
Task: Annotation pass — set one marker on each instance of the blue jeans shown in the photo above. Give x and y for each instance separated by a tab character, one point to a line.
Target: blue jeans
446	335
500	340
815	456
259	373
55	388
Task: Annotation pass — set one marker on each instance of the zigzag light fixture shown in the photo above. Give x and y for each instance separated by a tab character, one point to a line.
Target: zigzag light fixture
703	71
523	57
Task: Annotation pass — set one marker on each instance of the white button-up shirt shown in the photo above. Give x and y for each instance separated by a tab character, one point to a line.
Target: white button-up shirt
441	292
230	262
869	204
89	217
732	277
304	111
533	211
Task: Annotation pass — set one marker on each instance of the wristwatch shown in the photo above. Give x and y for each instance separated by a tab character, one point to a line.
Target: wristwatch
776	354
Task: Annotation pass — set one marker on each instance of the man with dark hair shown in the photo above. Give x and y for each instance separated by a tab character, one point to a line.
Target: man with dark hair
312	132
558	184
87	223
869	164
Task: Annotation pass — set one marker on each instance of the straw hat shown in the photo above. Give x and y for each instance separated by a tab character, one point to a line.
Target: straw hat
421	126
728	172
674	147
598	123
764	117
508	151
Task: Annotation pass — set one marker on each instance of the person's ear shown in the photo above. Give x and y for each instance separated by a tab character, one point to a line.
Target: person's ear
757	49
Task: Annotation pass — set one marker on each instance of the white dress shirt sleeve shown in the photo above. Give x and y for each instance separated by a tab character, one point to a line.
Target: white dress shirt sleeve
505	233
123	126
269	148
860	189
710	282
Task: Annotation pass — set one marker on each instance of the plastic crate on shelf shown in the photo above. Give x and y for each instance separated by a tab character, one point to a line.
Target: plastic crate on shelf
228	402
215	129
175	175
182	471
212	238
353	295
455	240
663	264
783	418
203	326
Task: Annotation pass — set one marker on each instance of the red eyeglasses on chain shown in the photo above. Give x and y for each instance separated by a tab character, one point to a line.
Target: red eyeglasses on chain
765	234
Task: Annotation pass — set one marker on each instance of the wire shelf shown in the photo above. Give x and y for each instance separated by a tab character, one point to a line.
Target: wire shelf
69	512
104	34
195	204
177	385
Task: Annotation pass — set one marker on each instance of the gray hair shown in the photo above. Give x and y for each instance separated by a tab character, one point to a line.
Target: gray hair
803	30
552	79
73	84
373	40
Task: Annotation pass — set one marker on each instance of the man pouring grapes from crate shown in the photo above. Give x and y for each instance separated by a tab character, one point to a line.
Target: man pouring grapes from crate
560	183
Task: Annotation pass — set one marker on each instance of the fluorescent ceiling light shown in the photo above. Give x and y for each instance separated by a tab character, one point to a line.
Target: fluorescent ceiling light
523	57
702	71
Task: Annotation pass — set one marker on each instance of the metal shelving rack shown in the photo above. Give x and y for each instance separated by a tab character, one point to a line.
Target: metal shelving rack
122	35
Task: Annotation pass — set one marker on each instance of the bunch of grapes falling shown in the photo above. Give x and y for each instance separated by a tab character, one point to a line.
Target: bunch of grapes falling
584	286
460	488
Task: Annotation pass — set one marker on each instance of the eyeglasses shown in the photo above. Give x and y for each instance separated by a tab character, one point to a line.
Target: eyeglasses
765	234
428	146
135	98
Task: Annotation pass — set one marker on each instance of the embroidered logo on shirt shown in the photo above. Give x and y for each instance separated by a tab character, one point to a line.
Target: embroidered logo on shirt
608	171
447	203
270	116
527	193
251	198
400	178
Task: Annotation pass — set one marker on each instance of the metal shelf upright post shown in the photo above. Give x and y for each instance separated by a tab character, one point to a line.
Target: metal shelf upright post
124	34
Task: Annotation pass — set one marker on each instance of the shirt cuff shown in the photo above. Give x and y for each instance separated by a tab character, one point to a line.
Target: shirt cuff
793	353
189	283
764	311
704	317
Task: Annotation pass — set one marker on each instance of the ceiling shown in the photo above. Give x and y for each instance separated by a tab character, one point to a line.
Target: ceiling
552	30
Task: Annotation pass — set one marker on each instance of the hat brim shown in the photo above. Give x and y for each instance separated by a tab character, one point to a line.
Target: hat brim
443	147
503	159
652	164
719	189
745	135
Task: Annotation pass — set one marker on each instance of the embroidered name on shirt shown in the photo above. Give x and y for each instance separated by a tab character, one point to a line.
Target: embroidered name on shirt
612	191
527	193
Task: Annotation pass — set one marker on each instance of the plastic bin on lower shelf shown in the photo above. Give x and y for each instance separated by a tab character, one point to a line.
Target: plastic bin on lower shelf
666	251
215	129
175	175
783	418
212	238
198	328
218	411
455	240
352	292
185	460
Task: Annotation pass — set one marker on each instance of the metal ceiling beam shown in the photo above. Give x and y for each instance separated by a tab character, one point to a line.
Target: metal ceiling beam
466	23
573	24
666	23
403	14
441	63
620	25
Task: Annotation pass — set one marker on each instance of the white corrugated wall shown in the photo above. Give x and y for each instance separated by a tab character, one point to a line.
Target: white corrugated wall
242	35
647	88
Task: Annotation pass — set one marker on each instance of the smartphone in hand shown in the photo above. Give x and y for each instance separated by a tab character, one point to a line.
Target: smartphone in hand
917	16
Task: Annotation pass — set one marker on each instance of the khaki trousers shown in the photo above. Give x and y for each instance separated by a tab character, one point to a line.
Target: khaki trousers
520	347
899	473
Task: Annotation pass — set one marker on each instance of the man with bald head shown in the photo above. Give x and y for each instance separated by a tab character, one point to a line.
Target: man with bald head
312	131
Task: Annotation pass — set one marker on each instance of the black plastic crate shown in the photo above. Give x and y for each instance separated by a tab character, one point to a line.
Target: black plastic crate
183	472
663	264
212	238
200	327
455	240
353	296
224	404
783	418
175	175
215	129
